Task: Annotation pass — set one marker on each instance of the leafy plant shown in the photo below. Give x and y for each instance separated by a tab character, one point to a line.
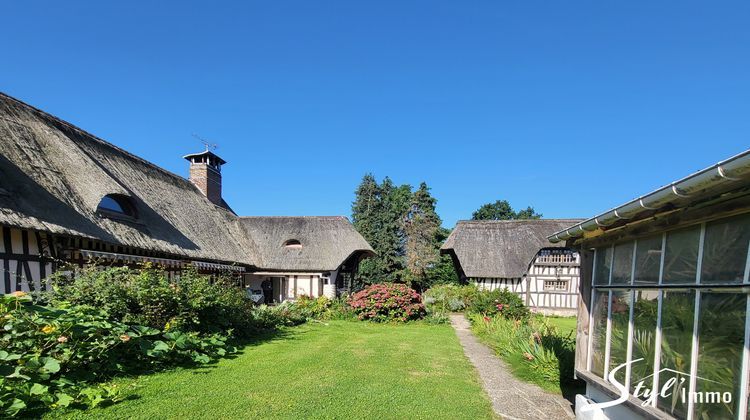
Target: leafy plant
59	356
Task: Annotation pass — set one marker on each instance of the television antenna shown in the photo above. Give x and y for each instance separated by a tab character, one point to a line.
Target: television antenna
206	142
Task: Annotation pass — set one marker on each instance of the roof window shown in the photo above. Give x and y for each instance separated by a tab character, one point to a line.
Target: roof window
292	244
117	205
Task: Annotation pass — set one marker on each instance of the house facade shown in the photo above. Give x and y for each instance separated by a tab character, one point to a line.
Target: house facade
664	300
515	255
69	199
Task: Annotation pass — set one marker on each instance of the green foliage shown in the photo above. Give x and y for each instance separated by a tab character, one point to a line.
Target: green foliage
270	317
450	297
499	301
535	348
377	214
385	302
501	210
146	297
469	298
58	356
404	230
421	229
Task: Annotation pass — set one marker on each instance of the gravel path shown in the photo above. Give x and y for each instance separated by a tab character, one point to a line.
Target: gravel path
511	397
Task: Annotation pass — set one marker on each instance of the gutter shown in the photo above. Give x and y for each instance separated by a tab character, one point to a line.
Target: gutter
726	172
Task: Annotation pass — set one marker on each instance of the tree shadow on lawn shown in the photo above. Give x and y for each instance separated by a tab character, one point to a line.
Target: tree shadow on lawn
241	344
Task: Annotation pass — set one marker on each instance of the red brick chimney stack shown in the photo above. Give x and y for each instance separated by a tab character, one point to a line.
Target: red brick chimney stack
205	173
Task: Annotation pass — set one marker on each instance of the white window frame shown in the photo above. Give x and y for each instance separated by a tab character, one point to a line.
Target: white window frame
742	407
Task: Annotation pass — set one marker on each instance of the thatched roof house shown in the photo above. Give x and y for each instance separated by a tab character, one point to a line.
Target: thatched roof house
277	237
499	248
71	191
515	255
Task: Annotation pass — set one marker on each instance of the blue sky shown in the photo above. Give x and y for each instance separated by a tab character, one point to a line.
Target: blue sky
571	107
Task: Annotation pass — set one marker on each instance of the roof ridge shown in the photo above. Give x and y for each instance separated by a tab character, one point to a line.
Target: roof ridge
518	220
293	217
93	137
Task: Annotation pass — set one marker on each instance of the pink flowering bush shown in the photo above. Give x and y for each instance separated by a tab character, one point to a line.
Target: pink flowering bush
385	302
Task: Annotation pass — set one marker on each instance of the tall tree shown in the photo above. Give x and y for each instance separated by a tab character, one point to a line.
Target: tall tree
366	211
421	227
501	210
377	211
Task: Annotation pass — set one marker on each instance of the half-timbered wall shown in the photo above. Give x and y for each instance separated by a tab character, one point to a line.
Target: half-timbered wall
550	285
26	259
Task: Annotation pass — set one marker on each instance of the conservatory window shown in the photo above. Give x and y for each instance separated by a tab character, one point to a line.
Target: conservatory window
645	310
622	266
603	265
599	332
677	302
678	307
648	260
681	256
619	332
721	332
724	258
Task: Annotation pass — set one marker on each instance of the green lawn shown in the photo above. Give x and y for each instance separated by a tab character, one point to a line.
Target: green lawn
566	324
340	369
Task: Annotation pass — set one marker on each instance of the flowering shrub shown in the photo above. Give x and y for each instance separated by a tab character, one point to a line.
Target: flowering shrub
387	302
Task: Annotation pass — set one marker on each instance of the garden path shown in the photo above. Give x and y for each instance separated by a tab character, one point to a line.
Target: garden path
511	398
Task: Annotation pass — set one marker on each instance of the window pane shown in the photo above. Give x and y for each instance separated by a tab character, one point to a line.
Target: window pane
109	203
623	263
603	262
725	250
677	316
681	256
619	340
644	337
599	332
721	333
648	260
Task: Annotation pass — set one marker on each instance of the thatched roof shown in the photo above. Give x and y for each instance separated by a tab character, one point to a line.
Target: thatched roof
500	249
325	242
53	176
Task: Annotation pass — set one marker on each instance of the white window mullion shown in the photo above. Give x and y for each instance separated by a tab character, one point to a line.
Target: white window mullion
745	360
694	356
657	337
591	330
699	265
631	326
657	348
629	351
696	318
607	344
591	314
611	263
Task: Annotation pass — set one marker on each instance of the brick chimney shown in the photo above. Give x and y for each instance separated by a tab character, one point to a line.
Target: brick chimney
205	173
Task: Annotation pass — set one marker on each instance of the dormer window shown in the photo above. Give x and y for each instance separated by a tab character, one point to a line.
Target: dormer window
293	244
117	205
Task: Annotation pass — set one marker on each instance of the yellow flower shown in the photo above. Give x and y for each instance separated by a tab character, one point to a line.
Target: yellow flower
48	329
125	338
19	294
